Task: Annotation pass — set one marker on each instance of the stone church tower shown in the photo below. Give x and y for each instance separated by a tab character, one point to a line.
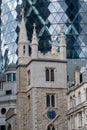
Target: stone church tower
41	85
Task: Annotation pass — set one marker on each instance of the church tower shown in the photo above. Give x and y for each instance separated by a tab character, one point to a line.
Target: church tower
23	59
23	46
41	89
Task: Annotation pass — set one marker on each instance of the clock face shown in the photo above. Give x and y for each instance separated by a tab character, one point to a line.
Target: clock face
51	114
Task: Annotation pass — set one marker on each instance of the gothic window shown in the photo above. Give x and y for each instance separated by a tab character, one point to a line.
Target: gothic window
51	127
80	77
29	77
52	74
24	50
28	102
49	74
50	100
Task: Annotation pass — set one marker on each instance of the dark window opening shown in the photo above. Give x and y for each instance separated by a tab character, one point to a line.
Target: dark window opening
52	75
51	127
9	77
14	76
2	127
49	74
50	100
24	50
81	78
8	92
53	101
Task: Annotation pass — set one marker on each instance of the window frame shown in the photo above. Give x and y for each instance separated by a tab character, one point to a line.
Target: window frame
8	92
24	48
11	74
50	103
50	74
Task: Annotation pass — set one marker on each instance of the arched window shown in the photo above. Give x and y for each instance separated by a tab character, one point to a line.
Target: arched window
50	127
9	127
47	74
80	77
53	100
24	50
50	100
52	74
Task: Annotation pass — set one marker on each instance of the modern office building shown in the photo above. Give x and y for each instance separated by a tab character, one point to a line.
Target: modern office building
10	10
49	16
7	93
77	101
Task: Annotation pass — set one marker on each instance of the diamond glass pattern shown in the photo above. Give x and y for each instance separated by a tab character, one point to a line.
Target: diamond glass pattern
49	16
9	34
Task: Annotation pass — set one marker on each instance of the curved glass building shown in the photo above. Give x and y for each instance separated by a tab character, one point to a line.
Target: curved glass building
10	10
49	16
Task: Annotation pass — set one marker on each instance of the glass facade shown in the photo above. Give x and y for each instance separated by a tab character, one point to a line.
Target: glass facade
49	16
10	10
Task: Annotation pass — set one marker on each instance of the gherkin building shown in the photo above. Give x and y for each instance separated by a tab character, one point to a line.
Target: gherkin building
9	30
50	16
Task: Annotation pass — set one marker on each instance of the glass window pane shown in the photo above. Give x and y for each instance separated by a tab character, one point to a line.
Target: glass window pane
53	101
8	92
52	75
24	50
9	77
14	76
47	74
48	100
